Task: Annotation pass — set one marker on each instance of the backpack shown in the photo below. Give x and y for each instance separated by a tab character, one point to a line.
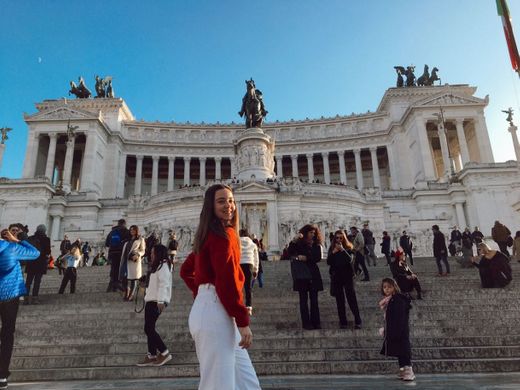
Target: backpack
115	239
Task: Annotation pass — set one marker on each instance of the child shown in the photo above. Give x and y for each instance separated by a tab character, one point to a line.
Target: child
70	262
396	331
157	297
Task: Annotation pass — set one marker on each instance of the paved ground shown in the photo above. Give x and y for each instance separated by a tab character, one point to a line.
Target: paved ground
510	381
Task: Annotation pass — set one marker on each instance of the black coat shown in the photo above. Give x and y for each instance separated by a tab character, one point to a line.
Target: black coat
385	245
43	244
313	254
439	244
405	243
397	329
341	272
402	271
490	271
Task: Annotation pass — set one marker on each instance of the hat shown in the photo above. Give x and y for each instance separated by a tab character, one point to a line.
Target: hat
41	228
398	253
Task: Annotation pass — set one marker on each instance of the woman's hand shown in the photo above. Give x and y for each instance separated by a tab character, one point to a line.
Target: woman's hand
160	307
246	337
302	257
9	237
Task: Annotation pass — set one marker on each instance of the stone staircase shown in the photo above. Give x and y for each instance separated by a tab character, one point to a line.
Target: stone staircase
458	327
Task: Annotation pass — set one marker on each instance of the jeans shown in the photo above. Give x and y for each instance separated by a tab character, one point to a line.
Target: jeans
8	313
371	255
443	258
409	254
71	275
155	343
388	258
260	278
247	269
114	259
223	364
37	281
314	317
360	261
348	291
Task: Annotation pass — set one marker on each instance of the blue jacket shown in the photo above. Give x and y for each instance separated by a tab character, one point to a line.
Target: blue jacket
11	279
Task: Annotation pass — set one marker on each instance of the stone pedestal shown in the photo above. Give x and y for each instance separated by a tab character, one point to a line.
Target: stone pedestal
254	155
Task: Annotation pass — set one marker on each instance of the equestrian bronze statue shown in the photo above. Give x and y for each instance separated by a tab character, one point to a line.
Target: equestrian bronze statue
253	108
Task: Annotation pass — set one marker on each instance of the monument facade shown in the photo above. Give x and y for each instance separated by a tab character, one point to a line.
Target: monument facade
422	158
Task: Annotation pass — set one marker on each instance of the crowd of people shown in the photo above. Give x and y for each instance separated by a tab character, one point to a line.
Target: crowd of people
225	261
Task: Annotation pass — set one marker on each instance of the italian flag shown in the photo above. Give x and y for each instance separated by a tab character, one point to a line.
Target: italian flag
503	12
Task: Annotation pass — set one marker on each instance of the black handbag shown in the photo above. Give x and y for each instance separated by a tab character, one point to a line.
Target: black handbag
300	271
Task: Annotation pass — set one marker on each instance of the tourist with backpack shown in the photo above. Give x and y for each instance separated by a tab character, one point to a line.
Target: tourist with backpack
493	266
157	297
114	242
36	269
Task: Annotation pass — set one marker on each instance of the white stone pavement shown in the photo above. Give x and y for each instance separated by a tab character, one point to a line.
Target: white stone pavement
508	381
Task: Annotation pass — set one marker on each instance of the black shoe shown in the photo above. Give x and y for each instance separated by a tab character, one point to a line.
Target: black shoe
365	280
419	296
343	326
317	326
357	326
308	327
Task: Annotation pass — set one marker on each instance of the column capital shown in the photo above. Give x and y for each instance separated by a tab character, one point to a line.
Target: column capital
203	159
156	158
139	157
187	159
373	148
357	150
53	135
512	129
309	155
279	157
171	158
294	156
340	153
219	159
325	154
458	121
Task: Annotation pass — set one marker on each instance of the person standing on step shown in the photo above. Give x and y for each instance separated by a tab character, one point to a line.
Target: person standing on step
36	269
218	320
249	261
157	297
65	246
406	243
516	247
173	245
501	234
72	261
477	236
396	332
405	277
12	288
114	242
385	247
131	267
306	247
342	278
86	251
359	252
440	252
370	244
455	241
493	266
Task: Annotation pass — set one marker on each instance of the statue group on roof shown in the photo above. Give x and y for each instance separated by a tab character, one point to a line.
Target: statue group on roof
426	79
103	87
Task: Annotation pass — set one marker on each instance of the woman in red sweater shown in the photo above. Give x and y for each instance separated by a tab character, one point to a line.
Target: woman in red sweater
219	320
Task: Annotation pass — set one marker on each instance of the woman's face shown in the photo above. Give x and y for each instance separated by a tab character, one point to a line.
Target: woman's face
388	289
311	234
224	205
133	232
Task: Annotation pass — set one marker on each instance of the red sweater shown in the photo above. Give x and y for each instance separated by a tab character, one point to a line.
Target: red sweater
218	263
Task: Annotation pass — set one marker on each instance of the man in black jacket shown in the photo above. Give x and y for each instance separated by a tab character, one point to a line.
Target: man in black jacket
406	243
114	242
36	269
440	251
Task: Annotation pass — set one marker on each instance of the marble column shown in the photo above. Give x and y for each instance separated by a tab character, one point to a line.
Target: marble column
463	145
294	161
187	171
375	167
121	179
202	175
67	169
279	166
359	169
444	149
87	163
272	218
138	175
326	167
171	173
310	167
32	149
51	156
155	174
342	169
218	168
425	158
484	145
392	168
512	129
461	219
56	222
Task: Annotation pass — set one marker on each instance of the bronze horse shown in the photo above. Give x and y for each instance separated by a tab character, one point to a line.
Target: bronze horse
253	106
81	91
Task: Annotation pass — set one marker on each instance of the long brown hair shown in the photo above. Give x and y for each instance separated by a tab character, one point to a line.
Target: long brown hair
307	228
344	241
208	220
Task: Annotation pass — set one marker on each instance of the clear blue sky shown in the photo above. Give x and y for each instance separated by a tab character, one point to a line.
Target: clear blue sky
187	60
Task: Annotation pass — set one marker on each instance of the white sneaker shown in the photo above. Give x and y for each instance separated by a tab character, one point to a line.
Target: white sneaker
3	383
249	310
408	374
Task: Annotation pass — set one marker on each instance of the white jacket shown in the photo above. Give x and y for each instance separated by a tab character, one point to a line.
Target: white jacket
249	253
160	285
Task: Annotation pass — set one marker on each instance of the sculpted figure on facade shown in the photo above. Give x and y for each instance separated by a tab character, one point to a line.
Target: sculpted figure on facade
408	72
80	91
4	131
509	118
253	109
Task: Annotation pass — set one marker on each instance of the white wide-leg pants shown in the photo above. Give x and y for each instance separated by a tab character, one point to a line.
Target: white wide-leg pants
223	364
